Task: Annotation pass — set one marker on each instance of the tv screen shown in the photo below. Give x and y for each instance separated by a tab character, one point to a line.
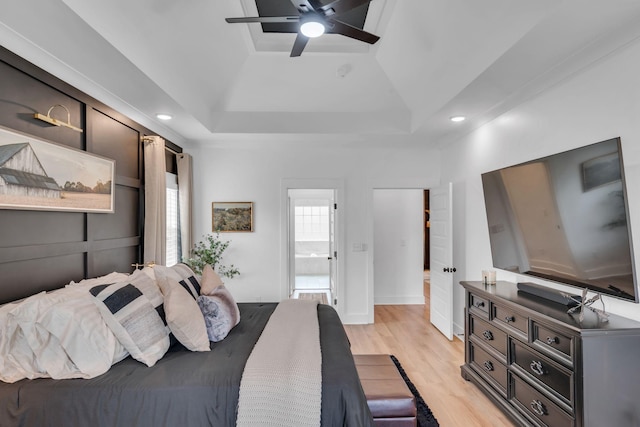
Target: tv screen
564	218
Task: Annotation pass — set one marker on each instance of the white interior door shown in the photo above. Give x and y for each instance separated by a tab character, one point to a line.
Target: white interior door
441	251
313	260
333	254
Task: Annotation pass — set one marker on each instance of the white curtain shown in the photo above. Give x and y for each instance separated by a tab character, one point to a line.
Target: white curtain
155	200
185	195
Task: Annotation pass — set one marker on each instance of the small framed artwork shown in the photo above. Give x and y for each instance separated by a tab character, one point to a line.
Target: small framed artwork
232	216
40	175
600	171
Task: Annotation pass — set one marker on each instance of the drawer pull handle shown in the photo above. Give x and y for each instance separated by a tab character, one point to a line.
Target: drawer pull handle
552	341
487	335
537	367
488	365
478	304
538	407
509	319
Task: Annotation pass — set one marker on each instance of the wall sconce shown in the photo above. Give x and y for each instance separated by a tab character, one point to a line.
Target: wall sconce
57	122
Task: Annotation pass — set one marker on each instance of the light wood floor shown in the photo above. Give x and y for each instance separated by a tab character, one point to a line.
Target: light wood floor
431	361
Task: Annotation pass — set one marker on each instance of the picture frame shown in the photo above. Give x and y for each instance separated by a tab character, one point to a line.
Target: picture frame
229	217
600	171
36	174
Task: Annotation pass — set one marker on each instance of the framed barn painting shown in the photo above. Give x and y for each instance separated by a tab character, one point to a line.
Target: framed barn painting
42	175
232	216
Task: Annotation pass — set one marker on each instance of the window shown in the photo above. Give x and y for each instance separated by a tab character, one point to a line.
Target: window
174	255
312	222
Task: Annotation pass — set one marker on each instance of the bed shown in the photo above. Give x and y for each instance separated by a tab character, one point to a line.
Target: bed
185	388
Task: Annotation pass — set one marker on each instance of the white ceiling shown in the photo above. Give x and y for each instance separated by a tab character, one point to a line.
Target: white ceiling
231	82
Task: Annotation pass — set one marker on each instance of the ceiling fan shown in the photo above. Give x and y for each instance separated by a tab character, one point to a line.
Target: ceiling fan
315	18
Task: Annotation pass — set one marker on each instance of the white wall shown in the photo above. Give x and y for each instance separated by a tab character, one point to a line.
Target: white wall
398	241
255	172
600	103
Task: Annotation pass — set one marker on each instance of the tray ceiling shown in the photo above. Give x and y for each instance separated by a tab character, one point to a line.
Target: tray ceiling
435	59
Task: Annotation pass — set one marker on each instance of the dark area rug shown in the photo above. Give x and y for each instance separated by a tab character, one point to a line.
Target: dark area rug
425	416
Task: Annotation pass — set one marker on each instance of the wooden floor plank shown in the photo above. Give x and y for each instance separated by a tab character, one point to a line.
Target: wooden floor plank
431	361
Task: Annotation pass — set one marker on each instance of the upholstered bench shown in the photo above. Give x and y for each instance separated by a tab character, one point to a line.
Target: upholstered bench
390	401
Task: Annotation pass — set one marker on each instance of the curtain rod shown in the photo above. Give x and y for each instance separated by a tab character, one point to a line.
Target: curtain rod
168	145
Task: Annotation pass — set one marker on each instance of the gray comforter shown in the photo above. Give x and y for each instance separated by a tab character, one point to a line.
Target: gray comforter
184	388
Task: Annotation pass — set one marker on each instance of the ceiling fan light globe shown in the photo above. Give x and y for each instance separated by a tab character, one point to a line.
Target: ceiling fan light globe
312	29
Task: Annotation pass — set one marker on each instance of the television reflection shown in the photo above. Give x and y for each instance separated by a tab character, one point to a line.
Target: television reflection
564	218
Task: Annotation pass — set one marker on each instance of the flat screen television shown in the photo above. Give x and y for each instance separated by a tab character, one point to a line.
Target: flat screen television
564	218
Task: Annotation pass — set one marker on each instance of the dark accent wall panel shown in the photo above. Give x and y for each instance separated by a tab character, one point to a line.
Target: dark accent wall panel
44	250
28	277
21	96
112	139
124	222
104	262
22	228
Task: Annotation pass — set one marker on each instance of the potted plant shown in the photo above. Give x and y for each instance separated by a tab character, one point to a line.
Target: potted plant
210	251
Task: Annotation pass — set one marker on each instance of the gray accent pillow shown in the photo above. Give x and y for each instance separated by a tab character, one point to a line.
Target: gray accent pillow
220	313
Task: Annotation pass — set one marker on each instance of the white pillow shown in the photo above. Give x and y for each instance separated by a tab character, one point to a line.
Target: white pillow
59	334
17	360
183	314
133	309
77	325
102	280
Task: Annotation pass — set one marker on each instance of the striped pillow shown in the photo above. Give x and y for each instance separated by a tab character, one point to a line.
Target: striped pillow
134	311
182	274
183	314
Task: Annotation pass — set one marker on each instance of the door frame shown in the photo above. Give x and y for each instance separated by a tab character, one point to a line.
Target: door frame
337	185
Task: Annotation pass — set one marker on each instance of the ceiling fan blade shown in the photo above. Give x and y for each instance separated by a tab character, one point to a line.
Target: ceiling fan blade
338	6
299	44
340	27
264	19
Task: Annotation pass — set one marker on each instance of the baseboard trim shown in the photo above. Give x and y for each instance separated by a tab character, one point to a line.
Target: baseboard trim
356	319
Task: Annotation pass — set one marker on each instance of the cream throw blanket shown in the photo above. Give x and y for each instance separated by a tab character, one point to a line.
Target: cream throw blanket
282	381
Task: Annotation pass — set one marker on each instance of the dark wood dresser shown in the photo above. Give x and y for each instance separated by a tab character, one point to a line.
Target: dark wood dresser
543	367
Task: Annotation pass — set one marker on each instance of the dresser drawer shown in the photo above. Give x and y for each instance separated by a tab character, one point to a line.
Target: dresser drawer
543	369
506	316
486	364
538	406
553	341
479	303
489	334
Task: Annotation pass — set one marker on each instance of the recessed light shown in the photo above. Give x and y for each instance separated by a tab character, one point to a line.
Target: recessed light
457	118
163	116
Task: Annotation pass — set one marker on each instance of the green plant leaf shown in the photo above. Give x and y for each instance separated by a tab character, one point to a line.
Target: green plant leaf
210	251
